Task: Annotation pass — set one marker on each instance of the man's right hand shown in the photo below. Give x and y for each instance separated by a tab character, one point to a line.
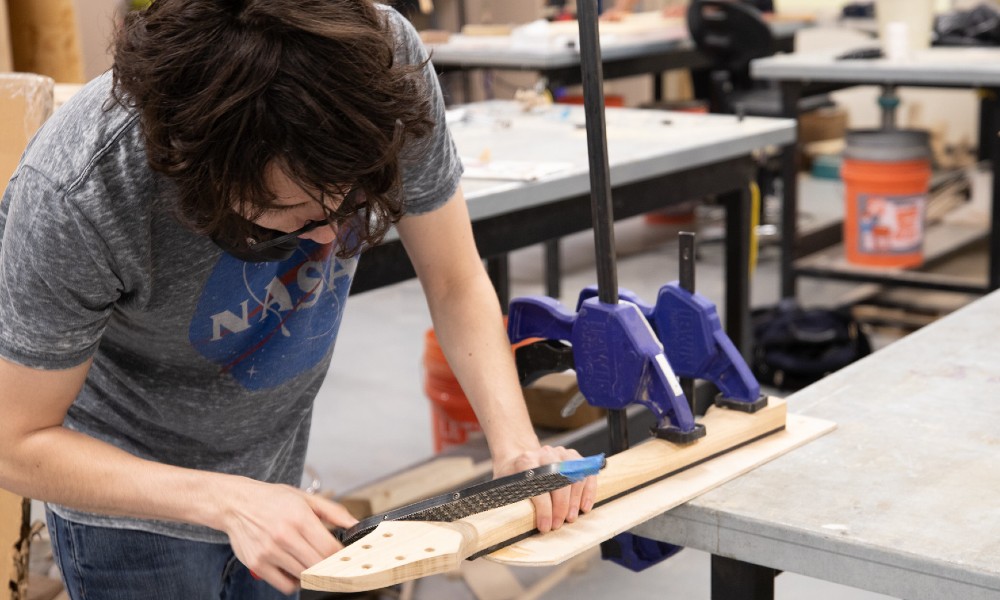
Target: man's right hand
278	531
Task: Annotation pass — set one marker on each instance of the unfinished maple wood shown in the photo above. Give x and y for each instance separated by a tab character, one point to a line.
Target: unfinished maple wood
637	507
400	550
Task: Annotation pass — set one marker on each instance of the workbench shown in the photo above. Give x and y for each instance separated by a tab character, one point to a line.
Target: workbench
626	53
805	73
901	499
657	159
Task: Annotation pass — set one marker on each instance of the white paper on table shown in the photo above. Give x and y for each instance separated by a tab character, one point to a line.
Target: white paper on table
512	170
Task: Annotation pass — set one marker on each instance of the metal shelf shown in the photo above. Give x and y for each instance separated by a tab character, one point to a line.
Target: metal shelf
942	241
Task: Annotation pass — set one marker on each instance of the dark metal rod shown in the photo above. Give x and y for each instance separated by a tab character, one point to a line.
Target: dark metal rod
686	268
600	182
597	151
992	116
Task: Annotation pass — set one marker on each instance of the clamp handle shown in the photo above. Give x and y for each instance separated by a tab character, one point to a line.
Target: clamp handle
615	352
688	326
698	346
538	317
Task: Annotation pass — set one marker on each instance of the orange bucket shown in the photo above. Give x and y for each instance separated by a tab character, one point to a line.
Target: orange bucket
886	178
452	417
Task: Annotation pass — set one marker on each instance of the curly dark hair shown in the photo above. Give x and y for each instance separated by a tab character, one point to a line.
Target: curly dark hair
225	88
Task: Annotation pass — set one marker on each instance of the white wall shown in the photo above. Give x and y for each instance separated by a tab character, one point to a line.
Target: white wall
95	19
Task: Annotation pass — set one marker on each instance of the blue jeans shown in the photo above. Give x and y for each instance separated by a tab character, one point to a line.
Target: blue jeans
100	563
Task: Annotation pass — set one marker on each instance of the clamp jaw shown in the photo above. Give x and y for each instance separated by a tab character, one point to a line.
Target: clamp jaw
616	355
688	326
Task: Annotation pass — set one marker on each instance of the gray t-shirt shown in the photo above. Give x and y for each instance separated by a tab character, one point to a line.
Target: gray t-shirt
200	360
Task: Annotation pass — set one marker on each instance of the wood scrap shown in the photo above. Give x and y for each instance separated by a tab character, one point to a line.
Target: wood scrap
400	550
474	29
434	36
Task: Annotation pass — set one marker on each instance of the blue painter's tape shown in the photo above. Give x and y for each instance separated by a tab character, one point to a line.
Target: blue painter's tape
575	470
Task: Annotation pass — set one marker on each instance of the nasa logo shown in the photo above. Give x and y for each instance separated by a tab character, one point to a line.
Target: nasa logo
264	323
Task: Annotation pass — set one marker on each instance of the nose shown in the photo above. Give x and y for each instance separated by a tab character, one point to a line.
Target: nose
324	234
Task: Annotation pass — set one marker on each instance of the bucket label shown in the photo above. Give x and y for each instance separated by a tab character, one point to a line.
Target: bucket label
890	224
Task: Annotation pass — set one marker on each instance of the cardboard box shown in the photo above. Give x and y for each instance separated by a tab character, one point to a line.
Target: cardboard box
25	103
547	397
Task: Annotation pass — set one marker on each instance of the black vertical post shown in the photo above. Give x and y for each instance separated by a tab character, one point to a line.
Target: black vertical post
686	268
738	267
498	269
553	269
737	580
991	116
592	76
790	94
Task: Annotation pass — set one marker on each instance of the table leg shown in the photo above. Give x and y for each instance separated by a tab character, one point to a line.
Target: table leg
737	580
990	119
657	87
738	268
790	94
498	268
553	269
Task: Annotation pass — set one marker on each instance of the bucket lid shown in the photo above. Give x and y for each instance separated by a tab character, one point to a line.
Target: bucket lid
887	145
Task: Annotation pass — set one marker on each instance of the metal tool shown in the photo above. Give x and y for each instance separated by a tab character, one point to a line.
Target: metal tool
481	497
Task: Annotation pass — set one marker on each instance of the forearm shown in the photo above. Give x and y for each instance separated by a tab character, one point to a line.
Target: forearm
65	467
469	325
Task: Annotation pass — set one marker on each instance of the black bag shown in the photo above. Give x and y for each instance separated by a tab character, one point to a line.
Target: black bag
794	347
979	26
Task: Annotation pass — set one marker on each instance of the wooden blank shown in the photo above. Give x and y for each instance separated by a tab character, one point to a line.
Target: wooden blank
397	551
625	513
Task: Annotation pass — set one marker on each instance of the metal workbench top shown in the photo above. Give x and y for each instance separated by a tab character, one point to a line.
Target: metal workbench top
641	144
507	52
902	498
964	67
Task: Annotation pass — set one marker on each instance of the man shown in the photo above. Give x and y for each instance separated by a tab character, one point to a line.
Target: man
177	245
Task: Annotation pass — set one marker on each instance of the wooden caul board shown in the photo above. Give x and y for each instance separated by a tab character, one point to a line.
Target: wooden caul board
398	551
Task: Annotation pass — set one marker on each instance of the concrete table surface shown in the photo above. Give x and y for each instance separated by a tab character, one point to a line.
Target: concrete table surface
641	144
902	498
508	52
962	67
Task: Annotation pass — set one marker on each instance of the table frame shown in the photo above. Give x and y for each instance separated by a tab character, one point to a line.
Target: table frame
498	235
792	246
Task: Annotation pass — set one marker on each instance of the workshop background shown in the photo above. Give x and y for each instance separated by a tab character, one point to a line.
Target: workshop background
373	417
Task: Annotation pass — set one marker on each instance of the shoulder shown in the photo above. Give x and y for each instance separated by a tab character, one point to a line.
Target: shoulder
409	48
81	131
91	147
